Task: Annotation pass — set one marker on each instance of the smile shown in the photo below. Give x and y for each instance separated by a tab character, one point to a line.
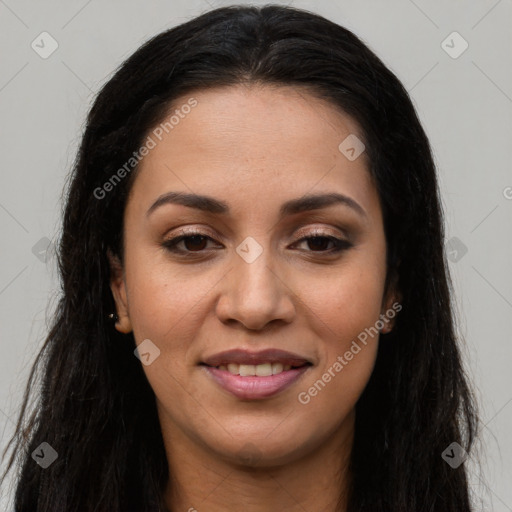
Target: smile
260	370
255	375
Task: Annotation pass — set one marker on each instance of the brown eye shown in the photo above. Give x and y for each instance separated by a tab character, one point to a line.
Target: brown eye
198	242
192	242
317	243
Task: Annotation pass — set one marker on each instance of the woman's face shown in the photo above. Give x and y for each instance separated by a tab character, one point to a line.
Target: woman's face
259	168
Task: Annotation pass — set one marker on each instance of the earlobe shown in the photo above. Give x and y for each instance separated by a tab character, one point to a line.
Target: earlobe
391	305
392	308
118	288
387	321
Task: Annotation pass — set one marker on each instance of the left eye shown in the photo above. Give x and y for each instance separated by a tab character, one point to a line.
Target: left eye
195	242
319	241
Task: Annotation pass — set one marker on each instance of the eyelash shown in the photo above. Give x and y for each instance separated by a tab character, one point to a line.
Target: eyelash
340	244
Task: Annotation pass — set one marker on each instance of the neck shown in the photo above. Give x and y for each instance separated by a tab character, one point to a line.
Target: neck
201	480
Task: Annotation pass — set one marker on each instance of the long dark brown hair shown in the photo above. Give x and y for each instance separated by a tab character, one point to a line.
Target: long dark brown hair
94	404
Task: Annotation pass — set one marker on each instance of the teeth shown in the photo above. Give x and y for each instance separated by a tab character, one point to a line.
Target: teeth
277	368
246	370
264	370
260	370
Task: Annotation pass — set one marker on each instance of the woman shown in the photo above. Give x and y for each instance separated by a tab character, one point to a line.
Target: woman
256	305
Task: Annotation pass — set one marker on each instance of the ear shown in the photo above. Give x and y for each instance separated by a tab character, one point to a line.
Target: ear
392	297
118	287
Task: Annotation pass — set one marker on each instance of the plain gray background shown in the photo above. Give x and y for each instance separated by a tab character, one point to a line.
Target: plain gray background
464	102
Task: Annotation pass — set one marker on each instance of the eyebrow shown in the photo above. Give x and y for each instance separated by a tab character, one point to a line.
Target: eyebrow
293	206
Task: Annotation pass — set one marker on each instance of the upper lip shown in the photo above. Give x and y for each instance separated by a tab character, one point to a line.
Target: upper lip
241	356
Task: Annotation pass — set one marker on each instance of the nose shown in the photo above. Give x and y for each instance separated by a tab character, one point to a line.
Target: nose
254	294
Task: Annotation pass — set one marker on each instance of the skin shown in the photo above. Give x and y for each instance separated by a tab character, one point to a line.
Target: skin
254	147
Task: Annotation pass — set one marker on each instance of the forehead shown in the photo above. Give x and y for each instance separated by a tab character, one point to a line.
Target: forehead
267	120
243	141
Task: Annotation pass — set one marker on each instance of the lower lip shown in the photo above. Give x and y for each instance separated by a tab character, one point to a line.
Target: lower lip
252	387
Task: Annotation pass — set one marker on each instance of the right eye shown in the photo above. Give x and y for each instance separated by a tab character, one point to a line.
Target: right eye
193	242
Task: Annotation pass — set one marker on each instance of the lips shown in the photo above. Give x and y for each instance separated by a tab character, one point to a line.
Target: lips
255	375
244	357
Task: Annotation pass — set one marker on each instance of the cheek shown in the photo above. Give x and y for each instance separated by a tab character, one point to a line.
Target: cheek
346	323
161	300
348	300
332	393
164	308
346	308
